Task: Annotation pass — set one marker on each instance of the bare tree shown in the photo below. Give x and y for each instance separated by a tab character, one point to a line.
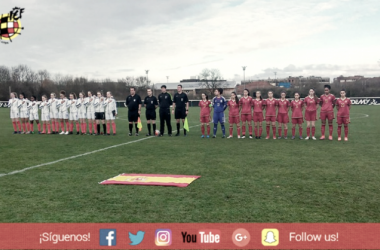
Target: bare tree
142	82
43	75
211	79
23	74
128	81
5	74
5	81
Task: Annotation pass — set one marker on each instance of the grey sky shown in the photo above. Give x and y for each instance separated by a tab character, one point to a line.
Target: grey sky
114	39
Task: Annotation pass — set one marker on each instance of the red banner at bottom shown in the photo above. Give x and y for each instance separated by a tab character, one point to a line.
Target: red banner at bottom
189	236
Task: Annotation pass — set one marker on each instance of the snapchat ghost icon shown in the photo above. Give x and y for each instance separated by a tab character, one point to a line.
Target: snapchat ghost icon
270	237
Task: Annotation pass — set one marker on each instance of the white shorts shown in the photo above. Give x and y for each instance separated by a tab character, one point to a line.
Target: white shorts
33	117
63	115
82	115
91	115
73	116
24	114
15	114
109	116
45	117
54	115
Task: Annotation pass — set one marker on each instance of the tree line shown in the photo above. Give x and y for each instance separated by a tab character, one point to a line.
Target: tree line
22	78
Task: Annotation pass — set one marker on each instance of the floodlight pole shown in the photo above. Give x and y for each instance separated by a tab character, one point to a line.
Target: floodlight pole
275	78
147	80
147	71
244	67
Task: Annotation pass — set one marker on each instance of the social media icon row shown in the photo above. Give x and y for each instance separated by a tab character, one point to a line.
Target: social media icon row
240	237
163	237
107	237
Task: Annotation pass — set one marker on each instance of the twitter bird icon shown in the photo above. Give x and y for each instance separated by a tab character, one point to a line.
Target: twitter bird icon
136	239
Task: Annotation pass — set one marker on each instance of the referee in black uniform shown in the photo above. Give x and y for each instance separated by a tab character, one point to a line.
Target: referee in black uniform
150	103
165	101
180	108
133	102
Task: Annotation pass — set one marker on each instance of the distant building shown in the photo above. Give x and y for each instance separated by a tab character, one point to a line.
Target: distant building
286	82
252	85
286	85
314	79
343	79
194	87
352	79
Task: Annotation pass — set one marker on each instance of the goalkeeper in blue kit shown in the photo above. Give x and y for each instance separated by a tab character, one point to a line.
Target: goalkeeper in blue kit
219	103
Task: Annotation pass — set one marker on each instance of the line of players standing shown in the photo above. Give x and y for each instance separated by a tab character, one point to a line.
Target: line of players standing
276	110
101	110
98	110
56	113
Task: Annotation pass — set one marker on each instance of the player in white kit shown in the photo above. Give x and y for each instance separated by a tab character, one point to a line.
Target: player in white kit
73	115
99	113
82	112
54	113
13	104
24	113
110	112
33	114
45	114
63	112
89	102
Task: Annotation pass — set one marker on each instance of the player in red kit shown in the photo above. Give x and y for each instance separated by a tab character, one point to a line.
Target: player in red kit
258	117
283	115
245	104
311	103
343	106
270	114
205	115
233	114
297	117
327	101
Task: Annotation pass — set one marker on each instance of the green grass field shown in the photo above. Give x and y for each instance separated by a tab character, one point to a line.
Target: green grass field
242	180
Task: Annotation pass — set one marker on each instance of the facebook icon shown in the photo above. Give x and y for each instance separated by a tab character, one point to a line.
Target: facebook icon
107	237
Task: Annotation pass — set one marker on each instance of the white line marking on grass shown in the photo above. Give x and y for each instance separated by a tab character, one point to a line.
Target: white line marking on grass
365	116
80	155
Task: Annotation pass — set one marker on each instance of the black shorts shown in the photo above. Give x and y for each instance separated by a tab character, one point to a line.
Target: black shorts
133	116
100	116
179	113
150	114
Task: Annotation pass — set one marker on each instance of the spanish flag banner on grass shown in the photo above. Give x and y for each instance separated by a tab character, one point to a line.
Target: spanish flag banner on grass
152	179
139	124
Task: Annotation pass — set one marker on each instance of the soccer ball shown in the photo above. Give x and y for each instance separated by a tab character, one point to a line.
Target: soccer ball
157	132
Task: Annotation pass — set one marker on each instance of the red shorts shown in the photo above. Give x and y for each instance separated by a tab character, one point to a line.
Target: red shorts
297	120
283	118
246	117
258	117
233	119
343	120
310	115
270	118
326	115
205	119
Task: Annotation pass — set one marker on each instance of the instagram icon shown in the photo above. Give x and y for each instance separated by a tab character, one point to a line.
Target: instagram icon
163	237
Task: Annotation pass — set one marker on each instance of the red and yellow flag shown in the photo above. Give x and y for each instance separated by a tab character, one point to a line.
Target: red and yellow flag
152	179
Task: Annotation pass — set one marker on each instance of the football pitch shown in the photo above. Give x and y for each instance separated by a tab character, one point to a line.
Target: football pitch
243	180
